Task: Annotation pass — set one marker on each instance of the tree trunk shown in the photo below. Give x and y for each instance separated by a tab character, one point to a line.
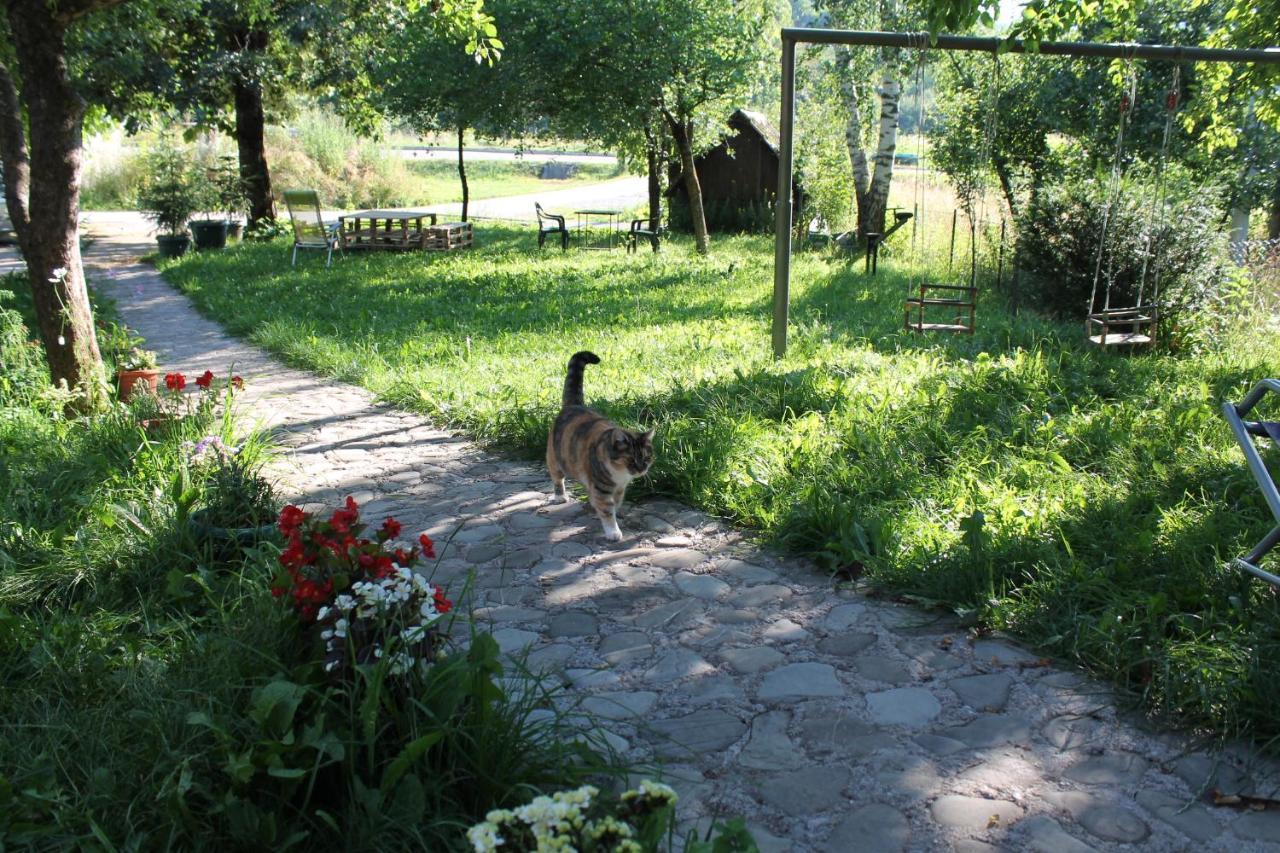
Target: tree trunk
853	141
1273	221
462	175
878	201
655	177
13	151
682	132
251	143
1001	165
51	244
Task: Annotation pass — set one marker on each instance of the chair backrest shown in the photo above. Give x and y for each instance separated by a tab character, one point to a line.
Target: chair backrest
304	214
543	215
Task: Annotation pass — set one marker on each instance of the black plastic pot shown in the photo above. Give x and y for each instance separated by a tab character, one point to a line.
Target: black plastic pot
209	233
245	536
173	245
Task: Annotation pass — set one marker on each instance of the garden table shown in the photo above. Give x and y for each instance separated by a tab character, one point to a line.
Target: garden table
585	224
386	229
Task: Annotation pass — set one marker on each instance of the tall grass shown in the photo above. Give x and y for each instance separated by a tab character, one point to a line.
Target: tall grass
1085	500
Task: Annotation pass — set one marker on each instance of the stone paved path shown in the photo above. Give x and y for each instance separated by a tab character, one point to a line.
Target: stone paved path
830	720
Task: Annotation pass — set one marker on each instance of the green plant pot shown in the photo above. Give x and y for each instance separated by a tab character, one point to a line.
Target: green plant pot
244	536
173	245
209	233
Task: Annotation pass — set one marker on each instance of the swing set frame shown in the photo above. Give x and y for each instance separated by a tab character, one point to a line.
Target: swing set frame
793	36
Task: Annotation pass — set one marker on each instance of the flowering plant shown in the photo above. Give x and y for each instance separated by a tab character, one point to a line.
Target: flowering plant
176	402
362	592
579	820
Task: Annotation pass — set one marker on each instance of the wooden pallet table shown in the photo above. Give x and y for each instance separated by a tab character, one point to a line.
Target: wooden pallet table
448	237
394	230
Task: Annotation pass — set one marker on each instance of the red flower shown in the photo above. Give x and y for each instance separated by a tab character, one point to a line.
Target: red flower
391	528
443	605
237	383
205	379
175	381
428	547
291	518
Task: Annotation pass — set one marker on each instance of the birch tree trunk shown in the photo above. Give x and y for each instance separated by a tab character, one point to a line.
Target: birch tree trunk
853	141
878	198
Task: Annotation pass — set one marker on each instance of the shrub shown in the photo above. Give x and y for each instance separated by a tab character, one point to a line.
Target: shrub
1058	238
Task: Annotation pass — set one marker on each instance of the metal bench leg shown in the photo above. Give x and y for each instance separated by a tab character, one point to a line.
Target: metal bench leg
294	262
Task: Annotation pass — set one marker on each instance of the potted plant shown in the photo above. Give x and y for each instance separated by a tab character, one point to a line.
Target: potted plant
133	366
169	194
239	506
233	195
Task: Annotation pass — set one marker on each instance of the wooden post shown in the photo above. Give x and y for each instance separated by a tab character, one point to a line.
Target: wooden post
782	236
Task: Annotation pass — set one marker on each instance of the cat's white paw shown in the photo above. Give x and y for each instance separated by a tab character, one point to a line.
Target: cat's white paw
567	499
613	534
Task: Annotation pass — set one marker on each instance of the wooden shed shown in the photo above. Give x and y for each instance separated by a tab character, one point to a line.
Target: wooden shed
739	178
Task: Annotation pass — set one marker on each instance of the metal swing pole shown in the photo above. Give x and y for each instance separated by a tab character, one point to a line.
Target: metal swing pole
791	36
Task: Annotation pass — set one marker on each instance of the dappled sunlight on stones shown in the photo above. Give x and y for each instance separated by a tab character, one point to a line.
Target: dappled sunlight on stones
954	810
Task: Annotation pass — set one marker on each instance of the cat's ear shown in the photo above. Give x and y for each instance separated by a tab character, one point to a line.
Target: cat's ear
647	437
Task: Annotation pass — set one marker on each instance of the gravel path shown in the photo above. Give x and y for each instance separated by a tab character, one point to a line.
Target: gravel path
830	720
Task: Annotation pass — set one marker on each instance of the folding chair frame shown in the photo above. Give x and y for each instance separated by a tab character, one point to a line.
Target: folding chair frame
326	235
1244	432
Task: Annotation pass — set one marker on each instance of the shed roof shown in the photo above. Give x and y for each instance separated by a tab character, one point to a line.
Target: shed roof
760	125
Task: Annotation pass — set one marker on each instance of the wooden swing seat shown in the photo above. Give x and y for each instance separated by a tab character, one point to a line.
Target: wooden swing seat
961	298
1124	327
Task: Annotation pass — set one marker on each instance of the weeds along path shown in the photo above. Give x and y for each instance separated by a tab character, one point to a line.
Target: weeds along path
831	720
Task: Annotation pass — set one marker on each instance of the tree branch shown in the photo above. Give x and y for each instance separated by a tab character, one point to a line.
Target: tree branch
67	11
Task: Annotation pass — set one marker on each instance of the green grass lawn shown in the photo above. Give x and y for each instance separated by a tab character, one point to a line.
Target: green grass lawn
1083	500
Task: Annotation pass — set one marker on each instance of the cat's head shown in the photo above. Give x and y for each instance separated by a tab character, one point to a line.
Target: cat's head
632	451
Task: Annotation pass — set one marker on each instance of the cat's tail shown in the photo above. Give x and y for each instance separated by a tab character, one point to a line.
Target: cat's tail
573	381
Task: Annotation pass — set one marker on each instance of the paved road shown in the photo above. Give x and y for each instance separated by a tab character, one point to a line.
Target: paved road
473	154
831	720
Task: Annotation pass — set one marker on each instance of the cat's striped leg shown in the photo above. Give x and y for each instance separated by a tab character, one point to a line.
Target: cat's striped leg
607	508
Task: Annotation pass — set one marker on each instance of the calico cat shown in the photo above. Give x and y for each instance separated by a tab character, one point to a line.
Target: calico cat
591	449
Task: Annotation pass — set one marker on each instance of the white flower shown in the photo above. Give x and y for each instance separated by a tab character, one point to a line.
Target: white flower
344	602
58	274
484	837
321	613
340	628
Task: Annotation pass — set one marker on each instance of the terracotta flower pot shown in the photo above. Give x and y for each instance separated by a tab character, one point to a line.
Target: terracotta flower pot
127	379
